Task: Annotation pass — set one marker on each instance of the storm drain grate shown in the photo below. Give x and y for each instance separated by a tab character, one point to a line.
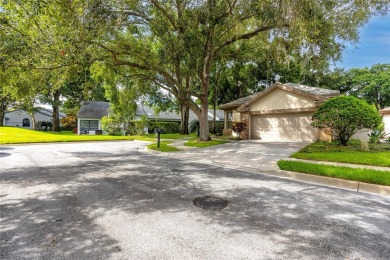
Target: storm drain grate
210	203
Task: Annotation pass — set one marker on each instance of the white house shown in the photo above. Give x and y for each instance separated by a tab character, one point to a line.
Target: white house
21	118
90	115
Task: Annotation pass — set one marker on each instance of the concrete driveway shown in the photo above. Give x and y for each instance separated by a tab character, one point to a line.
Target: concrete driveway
109	200
242	154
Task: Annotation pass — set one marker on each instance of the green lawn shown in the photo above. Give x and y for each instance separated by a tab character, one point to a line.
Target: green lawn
164	147
379	154
15	135
170	136
347	173
200	144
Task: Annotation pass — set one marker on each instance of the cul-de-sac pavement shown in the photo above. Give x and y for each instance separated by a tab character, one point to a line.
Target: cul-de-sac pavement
116	200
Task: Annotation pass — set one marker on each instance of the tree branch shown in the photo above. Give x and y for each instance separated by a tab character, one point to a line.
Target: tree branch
244	36
165	13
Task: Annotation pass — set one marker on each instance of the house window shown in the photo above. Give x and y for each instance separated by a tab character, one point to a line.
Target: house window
89	124
229	120
26	122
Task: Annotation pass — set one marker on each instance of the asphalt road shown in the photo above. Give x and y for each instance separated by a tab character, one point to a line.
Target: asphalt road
112	200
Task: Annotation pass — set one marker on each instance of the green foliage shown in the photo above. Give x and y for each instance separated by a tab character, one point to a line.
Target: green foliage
136	127
377	134
347	173
174	45
373	85
166	127
194	126
345	115
44	125
219	126
112	125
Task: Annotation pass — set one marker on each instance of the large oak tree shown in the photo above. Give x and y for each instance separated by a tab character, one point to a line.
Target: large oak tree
176	43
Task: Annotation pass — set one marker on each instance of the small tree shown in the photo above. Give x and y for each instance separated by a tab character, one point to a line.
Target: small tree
345	115
112	125
239	128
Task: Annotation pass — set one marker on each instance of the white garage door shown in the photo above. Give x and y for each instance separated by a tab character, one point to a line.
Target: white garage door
283	128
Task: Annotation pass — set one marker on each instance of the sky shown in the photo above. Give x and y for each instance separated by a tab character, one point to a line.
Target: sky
373	46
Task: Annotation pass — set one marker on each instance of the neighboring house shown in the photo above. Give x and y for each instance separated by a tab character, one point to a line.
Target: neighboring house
282	112
386	118
173	116
23	119
91	113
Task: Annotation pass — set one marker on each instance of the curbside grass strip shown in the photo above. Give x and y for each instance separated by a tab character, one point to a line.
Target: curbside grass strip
341	172
350	165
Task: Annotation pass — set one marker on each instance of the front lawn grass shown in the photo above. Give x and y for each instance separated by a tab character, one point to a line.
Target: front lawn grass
346	173
164	147
378	155
202	144
153	137
15	135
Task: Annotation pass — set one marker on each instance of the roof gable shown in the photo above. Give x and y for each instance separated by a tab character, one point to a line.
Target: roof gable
281	99
316	94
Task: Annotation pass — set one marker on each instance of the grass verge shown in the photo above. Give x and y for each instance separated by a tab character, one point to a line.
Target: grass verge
164	147
153	137
14	135
202	144
379	154
346	173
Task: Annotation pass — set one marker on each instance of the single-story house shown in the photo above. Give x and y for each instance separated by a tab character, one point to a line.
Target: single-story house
91	113
22	118
386	118
282	112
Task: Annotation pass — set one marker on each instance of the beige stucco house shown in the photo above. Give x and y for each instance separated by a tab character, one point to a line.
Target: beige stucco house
386	118
282	112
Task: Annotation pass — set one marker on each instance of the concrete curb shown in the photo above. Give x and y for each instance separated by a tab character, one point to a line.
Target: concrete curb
333	182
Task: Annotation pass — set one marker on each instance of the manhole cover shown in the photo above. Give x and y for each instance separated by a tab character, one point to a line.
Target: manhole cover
210	203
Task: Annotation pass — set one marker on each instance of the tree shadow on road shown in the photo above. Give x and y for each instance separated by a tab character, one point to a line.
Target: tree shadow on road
62	212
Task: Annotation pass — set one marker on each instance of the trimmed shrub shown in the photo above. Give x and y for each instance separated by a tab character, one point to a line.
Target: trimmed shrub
345	115
167	127
218	127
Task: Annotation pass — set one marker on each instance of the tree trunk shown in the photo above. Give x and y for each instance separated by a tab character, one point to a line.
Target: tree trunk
3	107
185	114
34	123
56	111
203	120
2	114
